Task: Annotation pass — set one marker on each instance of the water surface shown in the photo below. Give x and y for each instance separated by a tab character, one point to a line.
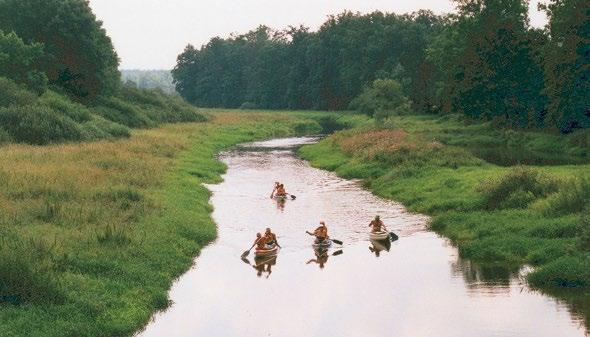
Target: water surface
416	286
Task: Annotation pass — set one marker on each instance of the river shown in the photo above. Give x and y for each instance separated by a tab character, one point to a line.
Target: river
416	286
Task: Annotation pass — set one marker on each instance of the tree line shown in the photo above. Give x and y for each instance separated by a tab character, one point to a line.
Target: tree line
484	61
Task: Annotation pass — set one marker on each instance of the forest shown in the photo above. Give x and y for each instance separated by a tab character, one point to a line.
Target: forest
59	82
485	61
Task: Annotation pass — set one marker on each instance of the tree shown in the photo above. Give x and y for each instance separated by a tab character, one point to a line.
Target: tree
499	77
18	61
383	98
567	66
79	56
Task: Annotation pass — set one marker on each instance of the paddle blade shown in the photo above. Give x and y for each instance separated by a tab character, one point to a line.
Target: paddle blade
293	197
338	242
393	236
245	254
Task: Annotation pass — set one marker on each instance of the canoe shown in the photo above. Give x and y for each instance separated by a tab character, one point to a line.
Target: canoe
324	244
379	235
267	252
280	197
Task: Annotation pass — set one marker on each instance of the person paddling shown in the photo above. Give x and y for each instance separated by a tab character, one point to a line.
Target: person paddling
320	233
271	238
260	242
377	225
274	190
281	191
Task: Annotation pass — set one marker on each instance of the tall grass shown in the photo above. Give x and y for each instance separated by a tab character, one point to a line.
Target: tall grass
98	231
26	273
517	189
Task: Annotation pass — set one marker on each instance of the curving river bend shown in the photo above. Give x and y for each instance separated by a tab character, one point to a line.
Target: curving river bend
417	286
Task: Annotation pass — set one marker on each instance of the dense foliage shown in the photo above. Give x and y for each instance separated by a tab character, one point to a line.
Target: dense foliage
60	43
18	60
78	55
485	61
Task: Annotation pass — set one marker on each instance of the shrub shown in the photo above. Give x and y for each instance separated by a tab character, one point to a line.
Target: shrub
569	271
572	197
12	94
382	99
4	136
38	125
307	128
119	111
64	105
331	124
516	189
111	129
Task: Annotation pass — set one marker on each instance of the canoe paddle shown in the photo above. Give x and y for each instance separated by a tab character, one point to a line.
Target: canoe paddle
293	197
247	252
393	236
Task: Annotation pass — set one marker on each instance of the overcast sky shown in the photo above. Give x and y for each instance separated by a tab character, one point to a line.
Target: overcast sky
149	34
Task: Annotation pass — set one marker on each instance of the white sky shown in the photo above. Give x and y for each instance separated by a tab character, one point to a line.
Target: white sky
149	34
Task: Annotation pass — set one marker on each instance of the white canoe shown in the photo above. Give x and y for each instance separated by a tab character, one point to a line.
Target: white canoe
280	197
267	252
378	235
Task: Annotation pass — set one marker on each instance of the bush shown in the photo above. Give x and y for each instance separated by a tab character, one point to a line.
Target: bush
331	124
38	125
64	105
119	111
112	129
570	271
4	136
572	197
516	189
382	99
12	94
307	128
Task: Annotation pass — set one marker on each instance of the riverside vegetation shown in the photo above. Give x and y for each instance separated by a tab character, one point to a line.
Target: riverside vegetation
502	196
93	234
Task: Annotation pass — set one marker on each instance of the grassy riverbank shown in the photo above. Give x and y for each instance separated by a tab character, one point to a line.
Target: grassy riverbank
93	234
501	196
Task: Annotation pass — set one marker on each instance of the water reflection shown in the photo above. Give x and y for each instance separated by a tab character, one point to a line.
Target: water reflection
262	265
377	246
281	204
487	278
322	255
